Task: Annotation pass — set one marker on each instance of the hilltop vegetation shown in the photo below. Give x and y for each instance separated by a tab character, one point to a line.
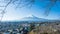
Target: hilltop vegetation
31	27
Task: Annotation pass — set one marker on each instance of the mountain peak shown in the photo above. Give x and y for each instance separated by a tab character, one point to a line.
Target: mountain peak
31	16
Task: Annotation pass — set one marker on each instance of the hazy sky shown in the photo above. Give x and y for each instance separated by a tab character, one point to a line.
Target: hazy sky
37	9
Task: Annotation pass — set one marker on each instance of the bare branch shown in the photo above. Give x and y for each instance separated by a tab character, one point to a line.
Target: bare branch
28	3
3	11
49	6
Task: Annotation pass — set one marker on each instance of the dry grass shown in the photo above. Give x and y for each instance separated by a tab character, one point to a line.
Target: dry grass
44	30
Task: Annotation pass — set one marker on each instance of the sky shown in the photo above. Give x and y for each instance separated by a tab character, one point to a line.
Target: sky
37	9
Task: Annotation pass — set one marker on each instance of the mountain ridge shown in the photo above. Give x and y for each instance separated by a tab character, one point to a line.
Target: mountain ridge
33	18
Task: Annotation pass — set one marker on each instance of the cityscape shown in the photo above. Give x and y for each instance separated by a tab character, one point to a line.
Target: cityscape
29	16
26	26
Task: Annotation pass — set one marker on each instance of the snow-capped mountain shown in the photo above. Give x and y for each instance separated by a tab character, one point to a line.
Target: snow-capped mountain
33	18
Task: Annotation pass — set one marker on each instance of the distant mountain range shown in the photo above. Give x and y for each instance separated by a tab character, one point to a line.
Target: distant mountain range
33	18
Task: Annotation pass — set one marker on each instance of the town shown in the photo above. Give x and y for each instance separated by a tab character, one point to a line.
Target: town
29	28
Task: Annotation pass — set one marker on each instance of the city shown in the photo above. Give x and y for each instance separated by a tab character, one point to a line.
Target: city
29	16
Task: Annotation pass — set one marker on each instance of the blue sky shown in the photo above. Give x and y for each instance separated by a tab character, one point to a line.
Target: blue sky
37	9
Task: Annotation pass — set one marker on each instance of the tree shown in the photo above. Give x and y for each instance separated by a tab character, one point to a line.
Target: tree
30	3
24	2
49	6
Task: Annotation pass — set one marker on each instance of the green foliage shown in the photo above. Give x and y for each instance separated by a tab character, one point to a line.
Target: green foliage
32	26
